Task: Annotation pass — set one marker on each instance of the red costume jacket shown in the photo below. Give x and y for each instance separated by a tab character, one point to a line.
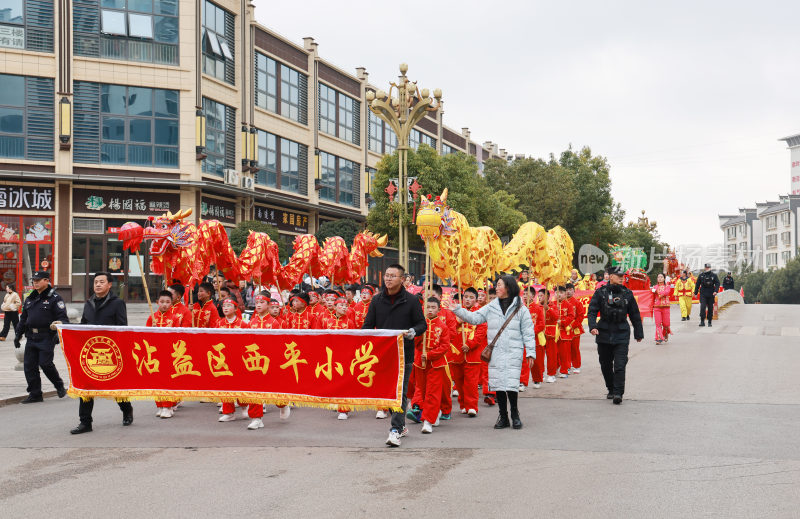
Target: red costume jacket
265	323
360	312
551	320
454	349
181	315
163	320
580	315
205	316
305	320
332	322
236	323
436	342
661	295
567	313
476	340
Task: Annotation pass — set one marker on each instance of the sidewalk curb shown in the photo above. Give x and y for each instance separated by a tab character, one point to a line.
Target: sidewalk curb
17	399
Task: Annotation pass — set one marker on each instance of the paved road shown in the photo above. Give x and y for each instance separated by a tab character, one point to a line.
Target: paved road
709	428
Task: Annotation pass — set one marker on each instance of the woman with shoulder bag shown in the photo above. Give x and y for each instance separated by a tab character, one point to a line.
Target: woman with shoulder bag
510	333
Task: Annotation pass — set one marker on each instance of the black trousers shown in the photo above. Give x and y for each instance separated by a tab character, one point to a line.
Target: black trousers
9	319
39	354
706	307
613	359
85	409
399	419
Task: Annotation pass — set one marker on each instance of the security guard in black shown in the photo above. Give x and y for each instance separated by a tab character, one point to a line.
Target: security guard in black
615	304
42	310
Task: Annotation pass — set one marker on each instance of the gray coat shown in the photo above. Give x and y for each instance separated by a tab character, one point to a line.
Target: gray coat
507	357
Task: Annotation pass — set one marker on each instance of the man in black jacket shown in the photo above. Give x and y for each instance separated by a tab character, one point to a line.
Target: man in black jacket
727	282
395	309
102	309
615	303
42	311
708	285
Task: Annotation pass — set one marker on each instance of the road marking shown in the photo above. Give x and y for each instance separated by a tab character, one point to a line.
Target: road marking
790	331
749	330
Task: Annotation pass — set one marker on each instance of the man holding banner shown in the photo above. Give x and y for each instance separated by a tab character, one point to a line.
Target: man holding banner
104	309
394	308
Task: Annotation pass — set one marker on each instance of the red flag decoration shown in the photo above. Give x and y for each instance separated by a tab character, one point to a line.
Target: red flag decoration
362	369
741	292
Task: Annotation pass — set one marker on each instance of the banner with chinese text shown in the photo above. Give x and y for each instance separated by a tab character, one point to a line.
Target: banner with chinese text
358	368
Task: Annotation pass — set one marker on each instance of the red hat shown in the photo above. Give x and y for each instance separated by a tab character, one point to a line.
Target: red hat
262	298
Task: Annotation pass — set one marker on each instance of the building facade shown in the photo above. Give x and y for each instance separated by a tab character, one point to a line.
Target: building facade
116	110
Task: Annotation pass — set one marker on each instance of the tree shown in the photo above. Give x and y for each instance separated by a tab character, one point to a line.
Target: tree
238	237
782	286
346	228
469	193
644	234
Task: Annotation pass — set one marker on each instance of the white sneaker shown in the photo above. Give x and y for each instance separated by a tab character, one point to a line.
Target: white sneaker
175	407
244	412
227	417
219	404
463	411
285	412
455	392
426	428
472	412
255	423
438	419
576	370
537	385
159	410
522	388
166	413
380	415
394	439
551	379
562	375
342	416
569	371
404	432
179	404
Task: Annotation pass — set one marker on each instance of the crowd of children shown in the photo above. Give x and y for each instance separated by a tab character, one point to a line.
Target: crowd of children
447	366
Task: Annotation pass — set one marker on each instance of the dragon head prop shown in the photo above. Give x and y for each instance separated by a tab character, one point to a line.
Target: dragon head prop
433	218
167	230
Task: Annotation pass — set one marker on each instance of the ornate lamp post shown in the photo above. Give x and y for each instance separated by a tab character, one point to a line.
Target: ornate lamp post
402	112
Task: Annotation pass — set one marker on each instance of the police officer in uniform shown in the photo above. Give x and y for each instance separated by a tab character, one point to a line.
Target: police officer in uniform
615	304
41	312
708	285
104	308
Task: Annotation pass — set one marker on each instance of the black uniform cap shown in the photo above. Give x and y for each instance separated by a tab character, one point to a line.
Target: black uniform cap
41	274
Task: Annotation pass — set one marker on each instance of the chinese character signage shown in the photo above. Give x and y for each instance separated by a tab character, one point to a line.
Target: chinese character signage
216	209
284	220
12	37
27	198
358	368
123	202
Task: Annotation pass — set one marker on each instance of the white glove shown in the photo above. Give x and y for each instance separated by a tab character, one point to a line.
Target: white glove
54	324
410	334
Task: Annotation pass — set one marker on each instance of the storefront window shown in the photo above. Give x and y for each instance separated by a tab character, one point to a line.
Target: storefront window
26	245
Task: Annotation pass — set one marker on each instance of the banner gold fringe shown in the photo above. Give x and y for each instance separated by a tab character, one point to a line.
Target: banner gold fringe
356	404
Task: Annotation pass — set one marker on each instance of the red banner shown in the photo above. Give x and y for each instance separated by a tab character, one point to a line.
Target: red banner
644	298
362	369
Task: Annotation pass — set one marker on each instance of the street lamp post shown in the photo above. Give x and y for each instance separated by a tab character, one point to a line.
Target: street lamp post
402	112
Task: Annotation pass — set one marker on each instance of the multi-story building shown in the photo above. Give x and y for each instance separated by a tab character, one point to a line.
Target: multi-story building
115	110
742	237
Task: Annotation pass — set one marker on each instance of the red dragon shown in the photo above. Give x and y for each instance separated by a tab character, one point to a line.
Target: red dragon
184	253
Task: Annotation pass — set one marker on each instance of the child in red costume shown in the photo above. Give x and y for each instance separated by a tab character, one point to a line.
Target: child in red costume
301	316
550	332
204	313
163	318
266	315
661	293
255	411
577	329
181	315
471	349
360	308
529	299
566	318
430	365
537	310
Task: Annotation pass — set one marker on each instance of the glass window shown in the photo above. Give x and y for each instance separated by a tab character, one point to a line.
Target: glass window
12	12
216	136
114	23
413	139
128	129
218	42
346	118
375	140
279	162
266	83
26	121
337	179
166	29
327	110
290	93
290	152
140	26
391	141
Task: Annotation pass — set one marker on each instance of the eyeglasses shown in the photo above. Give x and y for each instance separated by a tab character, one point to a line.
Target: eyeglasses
390	276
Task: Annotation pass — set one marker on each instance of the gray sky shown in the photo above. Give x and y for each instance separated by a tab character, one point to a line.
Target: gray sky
685	99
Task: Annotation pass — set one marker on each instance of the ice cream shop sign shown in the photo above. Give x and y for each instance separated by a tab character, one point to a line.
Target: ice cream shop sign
27	198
